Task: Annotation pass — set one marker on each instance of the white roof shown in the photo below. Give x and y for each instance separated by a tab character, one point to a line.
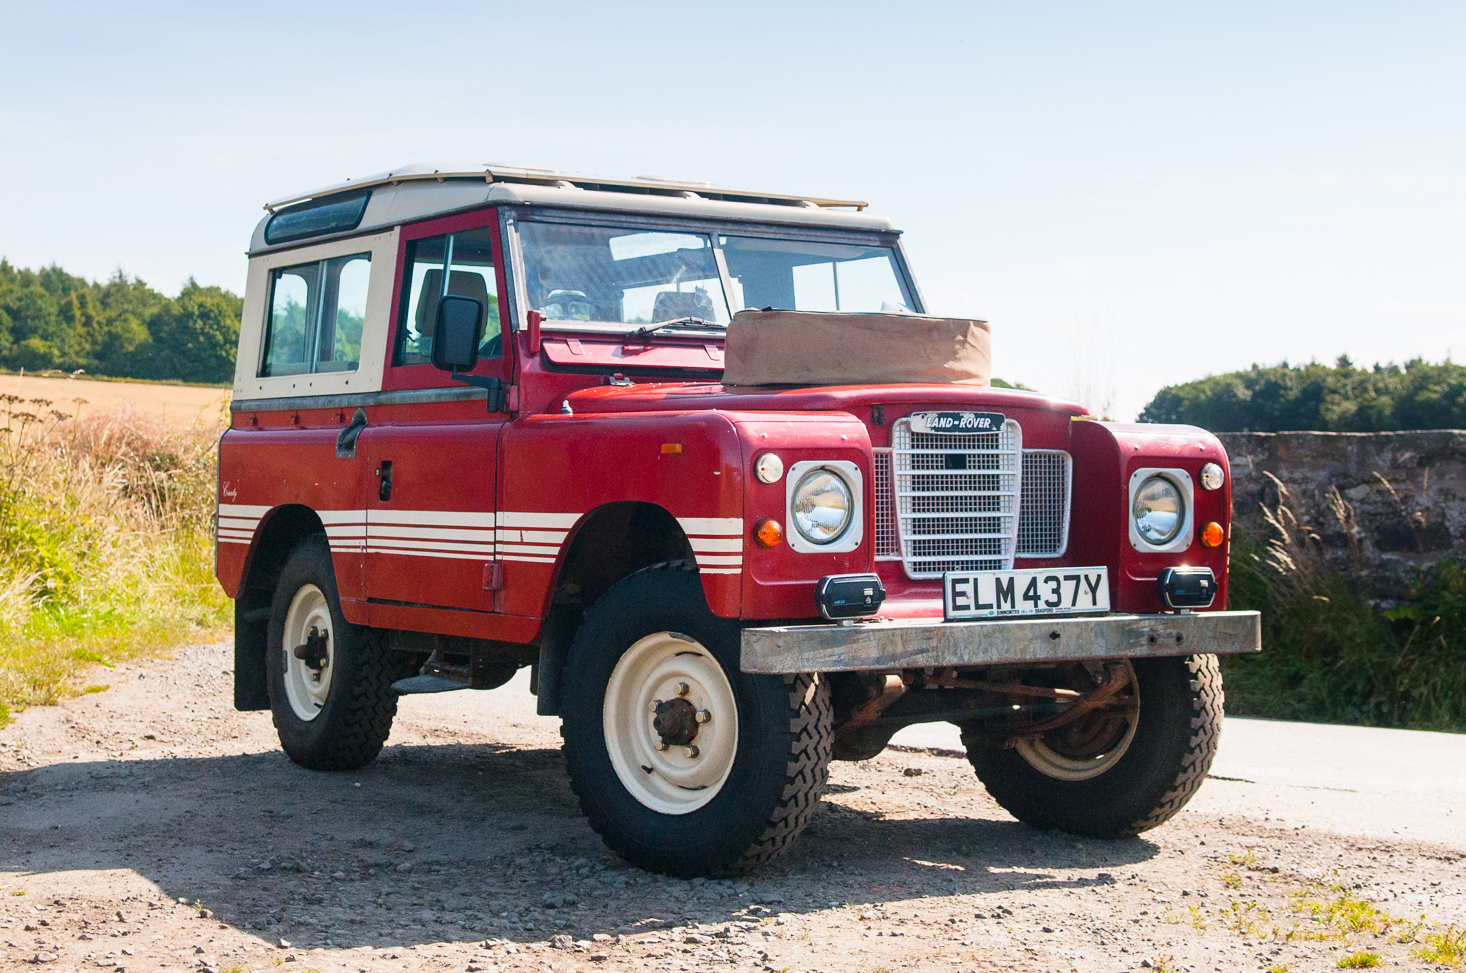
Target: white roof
498	172
422	191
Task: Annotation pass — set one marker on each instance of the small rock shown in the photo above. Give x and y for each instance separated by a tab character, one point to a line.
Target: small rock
405	867
45	958
598	957
338	876
562	942
601	937
1048	929
284	944
912	772
406	846
698	939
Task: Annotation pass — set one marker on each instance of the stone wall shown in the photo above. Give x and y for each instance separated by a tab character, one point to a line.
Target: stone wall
1400	502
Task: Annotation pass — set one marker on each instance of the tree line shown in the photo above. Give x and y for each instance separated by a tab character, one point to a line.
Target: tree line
121	327
1341	398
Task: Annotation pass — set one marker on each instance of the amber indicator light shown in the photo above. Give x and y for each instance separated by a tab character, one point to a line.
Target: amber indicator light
1212	535
769	532
671	449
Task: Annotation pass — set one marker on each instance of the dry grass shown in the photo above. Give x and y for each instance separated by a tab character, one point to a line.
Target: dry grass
105	548
179	405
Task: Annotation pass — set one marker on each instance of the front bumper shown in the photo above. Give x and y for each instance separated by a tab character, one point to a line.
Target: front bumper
919	645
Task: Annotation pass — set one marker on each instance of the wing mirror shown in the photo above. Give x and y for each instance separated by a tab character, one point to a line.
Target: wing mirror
456	333
455	346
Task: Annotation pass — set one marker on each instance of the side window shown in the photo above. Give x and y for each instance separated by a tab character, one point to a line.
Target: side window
317	311
461	264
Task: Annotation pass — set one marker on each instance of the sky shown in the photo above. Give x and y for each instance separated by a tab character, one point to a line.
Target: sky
1132	194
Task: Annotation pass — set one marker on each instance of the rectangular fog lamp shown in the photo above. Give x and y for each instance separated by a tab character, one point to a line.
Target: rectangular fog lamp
849	595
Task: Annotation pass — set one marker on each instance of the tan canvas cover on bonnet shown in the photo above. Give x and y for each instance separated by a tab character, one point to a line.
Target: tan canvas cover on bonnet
840	348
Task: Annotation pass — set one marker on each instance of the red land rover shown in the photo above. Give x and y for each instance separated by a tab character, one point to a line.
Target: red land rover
481	421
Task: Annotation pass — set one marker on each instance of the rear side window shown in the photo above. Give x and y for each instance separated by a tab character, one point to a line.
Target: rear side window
334	214
460	264
316	315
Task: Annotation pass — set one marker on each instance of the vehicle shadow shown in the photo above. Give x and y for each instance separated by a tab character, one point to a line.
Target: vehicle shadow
462	842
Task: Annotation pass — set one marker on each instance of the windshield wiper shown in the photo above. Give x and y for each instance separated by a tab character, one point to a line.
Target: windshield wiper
690	321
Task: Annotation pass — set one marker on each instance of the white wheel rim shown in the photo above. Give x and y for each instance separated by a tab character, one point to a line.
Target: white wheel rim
680	778
1060	766
305	687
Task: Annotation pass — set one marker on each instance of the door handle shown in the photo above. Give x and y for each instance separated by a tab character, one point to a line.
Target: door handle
346	442
384	474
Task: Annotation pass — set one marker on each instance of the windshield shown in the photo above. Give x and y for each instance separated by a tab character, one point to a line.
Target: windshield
595	277
618	276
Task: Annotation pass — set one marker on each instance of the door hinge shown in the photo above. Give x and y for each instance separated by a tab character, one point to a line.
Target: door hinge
493	575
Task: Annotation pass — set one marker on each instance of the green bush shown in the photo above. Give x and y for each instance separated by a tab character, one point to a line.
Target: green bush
1418	395
50	319
1329	656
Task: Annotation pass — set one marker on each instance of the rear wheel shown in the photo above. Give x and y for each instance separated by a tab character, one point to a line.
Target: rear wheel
1116	772
330	682
683	763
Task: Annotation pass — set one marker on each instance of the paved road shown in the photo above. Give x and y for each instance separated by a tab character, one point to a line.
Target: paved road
1346	779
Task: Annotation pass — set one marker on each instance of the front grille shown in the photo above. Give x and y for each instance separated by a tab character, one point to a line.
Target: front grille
886	545
1043	516
956	498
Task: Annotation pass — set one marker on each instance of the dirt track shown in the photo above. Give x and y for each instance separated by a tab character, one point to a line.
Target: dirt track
152	827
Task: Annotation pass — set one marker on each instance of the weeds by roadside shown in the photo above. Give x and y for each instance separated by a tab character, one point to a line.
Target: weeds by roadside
1331	656
105	549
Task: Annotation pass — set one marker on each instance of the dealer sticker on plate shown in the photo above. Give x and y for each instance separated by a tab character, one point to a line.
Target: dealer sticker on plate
1040	591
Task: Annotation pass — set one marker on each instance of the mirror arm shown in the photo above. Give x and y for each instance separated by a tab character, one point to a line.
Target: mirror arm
492	383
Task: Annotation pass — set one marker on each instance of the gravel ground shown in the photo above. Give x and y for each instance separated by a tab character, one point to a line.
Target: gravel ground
152	827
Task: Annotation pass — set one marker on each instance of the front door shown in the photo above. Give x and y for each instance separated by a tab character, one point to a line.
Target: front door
431	448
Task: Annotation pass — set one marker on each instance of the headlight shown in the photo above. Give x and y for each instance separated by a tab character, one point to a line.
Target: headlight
1159	511
821	506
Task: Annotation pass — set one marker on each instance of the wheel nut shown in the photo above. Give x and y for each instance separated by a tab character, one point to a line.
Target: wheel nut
704	716
660	744
683	689
691	751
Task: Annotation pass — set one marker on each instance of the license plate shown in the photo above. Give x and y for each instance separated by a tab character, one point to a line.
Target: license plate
957	423
1038	591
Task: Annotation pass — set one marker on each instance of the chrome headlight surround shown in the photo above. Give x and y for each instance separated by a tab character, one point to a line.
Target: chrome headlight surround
849	474
1181	481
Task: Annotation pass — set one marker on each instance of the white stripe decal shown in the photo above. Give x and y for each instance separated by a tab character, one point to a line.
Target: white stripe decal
242	510
342	516
431	518
532	536
521	519
439	533
714	526
243	535
716	543
720	570
530	549
410	553
719	559
383	543
239	523
233	540
528	558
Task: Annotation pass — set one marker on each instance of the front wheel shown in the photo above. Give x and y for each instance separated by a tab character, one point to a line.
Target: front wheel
1114	774
683	763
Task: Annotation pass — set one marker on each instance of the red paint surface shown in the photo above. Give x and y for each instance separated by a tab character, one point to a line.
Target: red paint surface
455	456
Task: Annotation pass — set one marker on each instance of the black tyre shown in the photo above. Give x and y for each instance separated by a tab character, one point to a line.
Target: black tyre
1118	779
683	763
330	682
